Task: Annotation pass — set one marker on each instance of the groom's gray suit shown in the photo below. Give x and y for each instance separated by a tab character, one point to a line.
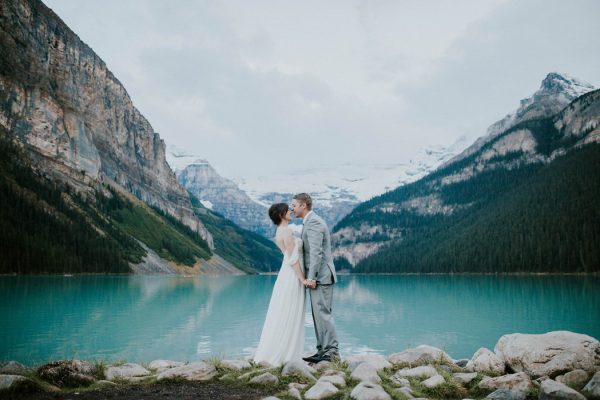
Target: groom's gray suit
318	264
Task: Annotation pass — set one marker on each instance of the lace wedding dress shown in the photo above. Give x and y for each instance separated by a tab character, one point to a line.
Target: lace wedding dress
282	337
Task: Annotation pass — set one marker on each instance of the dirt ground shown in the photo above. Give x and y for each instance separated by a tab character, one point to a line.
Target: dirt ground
174	390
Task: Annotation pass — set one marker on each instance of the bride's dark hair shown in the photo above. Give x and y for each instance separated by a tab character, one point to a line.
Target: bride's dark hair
277	211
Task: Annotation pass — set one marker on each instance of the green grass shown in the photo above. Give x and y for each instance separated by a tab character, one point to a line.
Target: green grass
168	237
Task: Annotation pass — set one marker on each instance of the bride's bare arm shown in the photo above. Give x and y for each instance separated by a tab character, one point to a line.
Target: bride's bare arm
289	245
298	271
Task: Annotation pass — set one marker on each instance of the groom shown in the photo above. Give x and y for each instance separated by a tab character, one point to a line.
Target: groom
320	277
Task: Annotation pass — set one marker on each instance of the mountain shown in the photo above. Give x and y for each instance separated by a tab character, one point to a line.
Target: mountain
225	197
336	189
94	158
474	194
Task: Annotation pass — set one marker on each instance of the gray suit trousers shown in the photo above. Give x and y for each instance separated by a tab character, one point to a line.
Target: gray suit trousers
320	300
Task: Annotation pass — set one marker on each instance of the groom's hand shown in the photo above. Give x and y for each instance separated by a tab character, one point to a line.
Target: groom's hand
311	284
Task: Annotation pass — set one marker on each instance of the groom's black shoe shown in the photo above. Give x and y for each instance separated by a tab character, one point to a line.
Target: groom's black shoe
329	358
315	358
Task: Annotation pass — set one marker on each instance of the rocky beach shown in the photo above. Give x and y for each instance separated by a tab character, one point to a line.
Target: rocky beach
554	365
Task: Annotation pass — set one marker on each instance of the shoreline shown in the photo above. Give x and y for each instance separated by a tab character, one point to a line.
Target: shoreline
66	275
571	364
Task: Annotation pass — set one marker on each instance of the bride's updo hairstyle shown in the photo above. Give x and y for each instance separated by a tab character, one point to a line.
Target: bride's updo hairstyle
277	211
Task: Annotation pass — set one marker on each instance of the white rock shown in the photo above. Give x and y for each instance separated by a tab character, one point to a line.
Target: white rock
126	371
465	378
337	380
299	368
485	361
552	390
592	389
295	393
299	386
369	391
322	365
376	360
519	382
164	364
13	368
366	372
271	398
406	392
549	354
196	371
251	373
265	379
434	381
577	378
506	394
425	371
237	365
400	381
422	354
11	381
321	390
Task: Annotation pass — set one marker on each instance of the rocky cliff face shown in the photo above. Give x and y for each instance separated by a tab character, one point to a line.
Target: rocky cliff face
75	118
225	197
563	114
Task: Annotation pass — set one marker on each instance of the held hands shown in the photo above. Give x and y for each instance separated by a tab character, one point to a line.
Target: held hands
309	283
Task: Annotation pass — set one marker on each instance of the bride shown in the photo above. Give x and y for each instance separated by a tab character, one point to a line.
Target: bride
282	337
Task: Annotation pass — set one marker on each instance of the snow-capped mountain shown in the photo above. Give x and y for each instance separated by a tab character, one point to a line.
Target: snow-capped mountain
562	115
556	92
335	189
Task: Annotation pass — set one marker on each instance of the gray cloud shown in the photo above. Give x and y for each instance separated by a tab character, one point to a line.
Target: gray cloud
245	83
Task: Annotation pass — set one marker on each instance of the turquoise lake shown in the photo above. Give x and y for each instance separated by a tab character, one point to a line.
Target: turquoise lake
142	318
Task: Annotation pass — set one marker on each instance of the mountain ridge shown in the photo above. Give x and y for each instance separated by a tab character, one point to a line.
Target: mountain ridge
402	211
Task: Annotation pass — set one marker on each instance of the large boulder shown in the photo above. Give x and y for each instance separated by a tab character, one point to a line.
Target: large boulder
506	394
464	377
551	354
126	371
434	381
161	365
13	368
299	368
485	361
369	391
592	389
336	379
321	390
517	382
69	373
366	372
236	365
575	379
552	390
422	354
265	379
424	371
196	371
378	361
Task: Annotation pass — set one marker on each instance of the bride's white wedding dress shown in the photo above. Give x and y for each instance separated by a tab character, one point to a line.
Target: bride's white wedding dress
282	337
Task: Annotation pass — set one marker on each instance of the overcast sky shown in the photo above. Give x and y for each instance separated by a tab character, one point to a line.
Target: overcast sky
257	85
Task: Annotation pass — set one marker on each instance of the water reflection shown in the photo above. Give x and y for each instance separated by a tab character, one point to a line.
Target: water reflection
187	318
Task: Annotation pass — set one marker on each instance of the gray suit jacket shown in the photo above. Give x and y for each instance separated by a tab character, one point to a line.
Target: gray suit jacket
318	261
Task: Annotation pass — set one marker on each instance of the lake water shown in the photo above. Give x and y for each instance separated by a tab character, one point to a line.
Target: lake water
142	318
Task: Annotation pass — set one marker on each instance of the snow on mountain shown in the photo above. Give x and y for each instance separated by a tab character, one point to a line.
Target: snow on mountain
556	92
353	183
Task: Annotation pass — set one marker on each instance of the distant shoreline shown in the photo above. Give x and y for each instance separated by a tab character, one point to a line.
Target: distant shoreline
343	273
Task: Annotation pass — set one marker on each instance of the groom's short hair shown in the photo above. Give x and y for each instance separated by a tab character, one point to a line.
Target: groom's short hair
305	198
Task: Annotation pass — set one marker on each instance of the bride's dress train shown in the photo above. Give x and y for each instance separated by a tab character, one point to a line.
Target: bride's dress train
282	337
